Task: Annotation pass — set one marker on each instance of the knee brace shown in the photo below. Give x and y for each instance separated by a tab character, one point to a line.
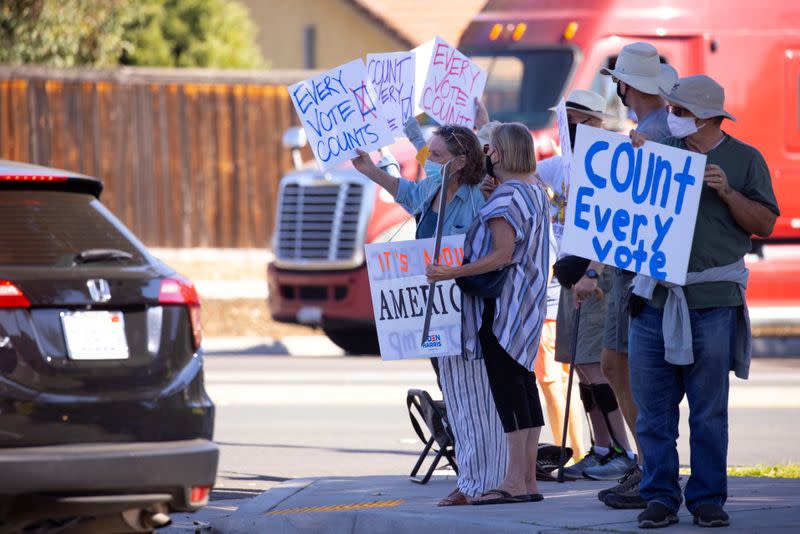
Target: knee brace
607	402
604	397
587	397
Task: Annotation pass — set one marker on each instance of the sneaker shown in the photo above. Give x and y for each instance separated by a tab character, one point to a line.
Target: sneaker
657	515
711	515
574	472
626	495
632	477
613	466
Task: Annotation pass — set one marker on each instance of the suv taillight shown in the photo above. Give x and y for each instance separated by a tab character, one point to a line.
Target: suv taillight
11	296
182	291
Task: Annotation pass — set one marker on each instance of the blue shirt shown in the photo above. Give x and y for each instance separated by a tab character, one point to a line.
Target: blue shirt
417	198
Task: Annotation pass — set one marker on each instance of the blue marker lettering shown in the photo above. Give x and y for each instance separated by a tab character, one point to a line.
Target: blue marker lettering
598	181
627	149
602	251
621	220
684	179
582	207
662	227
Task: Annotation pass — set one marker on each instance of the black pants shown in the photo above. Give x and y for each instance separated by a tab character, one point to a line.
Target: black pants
513	386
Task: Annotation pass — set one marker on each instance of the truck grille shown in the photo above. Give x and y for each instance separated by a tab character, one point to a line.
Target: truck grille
320	224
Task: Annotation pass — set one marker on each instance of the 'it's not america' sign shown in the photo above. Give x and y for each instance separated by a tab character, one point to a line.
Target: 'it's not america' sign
400	296
633	208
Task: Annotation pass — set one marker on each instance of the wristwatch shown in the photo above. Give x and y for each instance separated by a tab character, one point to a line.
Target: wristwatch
591	273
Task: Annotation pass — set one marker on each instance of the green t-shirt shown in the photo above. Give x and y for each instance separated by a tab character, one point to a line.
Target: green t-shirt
718	238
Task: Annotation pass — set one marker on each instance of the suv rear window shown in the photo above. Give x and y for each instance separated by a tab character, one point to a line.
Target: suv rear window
50	228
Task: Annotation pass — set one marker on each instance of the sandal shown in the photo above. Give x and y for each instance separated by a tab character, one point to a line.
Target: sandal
456	498
504	498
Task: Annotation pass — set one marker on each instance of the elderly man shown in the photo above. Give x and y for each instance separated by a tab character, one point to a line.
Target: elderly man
685	340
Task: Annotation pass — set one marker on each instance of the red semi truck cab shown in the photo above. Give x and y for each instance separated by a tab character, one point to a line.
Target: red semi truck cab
536	51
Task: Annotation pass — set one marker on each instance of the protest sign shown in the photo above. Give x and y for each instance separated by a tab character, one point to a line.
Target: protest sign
566	164
400	296
447	83
633	208
339	112
392	76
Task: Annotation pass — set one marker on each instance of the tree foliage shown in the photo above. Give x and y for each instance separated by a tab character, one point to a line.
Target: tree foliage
164	33
63	33
192	33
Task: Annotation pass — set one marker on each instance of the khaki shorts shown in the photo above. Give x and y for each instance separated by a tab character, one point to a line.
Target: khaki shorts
590	332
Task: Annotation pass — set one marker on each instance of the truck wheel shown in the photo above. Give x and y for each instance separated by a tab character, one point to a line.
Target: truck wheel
354	341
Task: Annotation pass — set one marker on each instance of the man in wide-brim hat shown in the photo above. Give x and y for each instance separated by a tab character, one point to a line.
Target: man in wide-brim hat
686	340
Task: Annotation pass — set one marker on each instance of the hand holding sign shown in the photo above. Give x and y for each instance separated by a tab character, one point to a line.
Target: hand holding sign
634	208
447	83
339	112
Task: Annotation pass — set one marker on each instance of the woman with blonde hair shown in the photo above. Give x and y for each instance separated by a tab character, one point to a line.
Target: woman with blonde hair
504	286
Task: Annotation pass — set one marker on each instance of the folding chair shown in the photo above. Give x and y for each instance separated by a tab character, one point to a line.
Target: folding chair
433	414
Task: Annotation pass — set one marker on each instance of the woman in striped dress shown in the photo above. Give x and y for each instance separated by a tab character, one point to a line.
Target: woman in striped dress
480	447
511	233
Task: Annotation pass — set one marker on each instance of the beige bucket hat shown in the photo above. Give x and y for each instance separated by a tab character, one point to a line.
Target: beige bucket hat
701	95
639	66
485	133
587	102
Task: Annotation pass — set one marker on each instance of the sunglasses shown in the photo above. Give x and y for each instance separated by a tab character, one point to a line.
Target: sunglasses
450	132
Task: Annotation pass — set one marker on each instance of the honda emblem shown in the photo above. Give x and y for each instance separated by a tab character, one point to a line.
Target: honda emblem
99	290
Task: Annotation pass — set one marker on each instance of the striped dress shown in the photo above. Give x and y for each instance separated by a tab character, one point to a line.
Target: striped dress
522	305
480	441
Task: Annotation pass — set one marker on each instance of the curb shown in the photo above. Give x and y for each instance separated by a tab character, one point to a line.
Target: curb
248	516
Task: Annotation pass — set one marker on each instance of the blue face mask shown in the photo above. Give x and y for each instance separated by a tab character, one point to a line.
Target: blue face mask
432	168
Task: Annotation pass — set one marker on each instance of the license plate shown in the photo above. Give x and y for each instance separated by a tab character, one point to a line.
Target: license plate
95	335
311	315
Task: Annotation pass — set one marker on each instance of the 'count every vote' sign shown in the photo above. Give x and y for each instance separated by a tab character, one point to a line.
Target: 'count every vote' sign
634	208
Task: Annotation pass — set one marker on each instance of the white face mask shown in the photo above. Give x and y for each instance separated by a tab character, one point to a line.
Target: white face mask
681	126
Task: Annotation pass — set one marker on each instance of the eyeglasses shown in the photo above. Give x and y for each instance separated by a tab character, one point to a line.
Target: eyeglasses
680	112
448	132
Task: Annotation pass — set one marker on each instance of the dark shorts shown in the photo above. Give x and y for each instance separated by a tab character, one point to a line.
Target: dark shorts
615	336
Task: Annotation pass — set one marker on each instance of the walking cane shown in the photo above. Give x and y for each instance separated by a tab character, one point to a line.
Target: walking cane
562	459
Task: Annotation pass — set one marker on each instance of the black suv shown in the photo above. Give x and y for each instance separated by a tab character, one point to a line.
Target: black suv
105	424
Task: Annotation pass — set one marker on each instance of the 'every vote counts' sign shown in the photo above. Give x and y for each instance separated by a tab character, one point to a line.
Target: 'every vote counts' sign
634	208
340	113
447	83
400	297
392	76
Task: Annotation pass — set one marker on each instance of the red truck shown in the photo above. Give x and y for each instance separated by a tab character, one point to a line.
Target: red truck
535	52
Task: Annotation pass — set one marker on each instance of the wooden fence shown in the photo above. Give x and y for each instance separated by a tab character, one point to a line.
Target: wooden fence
189	158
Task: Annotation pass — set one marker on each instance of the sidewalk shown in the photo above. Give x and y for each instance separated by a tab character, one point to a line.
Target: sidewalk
392	504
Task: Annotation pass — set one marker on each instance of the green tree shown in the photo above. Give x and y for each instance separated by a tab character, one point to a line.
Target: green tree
63	33
191	33
101	33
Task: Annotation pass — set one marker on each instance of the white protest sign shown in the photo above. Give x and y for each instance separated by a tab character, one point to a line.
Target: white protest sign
339	112
400	295
447	83
566	154
392	76
633	208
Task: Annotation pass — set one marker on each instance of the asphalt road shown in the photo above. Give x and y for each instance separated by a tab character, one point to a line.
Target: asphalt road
282	417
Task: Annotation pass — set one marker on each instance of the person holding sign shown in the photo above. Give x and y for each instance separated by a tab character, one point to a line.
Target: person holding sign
685	340
610	454
508	244
639	76
464	383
